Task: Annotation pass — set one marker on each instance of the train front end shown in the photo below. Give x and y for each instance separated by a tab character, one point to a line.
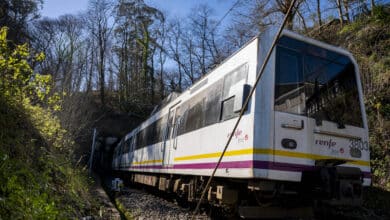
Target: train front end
320	133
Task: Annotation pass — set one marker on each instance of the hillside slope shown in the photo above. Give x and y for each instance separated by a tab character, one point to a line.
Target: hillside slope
368	39
39	179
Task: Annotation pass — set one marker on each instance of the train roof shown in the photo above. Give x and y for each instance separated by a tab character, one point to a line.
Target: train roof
271	32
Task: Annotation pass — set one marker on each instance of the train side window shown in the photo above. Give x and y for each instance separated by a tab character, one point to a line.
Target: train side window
151	133
212	105
120	147
135	141
238	76
162	125
183	120
208	109
195	118
158	130
140	139
227	109
144	136
130	144
126	147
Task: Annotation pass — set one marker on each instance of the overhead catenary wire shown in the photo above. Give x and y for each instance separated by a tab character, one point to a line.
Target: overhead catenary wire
260	73
224	16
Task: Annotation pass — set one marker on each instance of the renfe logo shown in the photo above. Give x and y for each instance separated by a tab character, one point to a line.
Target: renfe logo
329	143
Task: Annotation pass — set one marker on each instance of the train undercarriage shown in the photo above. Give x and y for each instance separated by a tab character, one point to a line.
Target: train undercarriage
258	198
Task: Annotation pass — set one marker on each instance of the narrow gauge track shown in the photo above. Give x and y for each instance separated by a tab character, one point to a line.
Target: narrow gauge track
144	203
147	203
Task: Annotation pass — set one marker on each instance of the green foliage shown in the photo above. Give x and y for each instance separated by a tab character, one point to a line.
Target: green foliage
24	192
126	214
37	178
381	14
46	124
18	81
369	40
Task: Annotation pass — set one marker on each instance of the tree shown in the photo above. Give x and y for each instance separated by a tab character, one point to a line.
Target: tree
18	81
62	40
319	12
203	37
135	33
71	27
162	39
175	38
340	11
346	7
282	6
100	27
251	17
15	14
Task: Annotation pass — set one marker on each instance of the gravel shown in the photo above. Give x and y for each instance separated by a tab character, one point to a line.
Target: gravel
143	205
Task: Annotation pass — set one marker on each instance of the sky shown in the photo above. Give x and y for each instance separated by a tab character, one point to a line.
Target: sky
56	8
172	8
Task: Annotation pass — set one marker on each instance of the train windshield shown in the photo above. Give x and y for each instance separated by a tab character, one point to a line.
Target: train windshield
316	82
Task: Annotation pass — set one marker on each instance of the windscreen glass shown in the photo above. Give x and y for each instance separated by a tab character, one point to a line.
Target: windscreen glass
316	82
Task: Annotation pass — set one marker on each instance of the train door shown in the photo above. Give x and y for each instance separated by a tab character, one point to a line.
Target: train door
170	136
290	126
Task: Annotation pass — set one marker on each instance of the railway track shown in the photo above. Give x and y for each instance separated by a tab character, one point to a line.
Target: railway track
144	203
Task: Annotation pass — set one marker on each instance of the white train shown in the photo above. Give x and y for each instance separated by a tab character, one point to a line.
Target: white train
303	133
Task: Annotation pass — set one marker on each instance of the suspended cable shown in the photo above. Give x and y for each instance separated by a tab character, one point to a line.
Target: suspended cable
224	16
261	71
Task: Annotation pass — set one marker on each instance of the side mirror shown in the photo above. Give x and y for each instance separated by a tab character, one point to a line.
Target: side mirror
240	92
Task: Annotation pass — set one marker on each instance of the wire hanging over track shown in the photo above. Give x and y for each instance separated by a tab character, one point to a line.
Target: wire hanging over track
224	16
245	105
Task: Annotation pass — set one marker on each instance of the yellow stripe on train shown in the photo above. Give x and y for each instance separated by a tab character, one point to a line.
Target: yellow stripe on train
146	161
269	152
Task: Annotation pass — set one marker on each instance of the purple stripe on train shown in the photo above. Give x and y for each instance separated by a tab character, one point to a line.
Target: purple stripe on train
240	164
230	164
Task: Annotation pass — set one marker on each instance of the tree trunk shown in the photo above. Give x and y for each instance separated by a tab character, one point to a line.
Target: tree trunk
203	47
192	72
101	66
161	78
303	20
372	7
340	10
290	20
89	78
319	12
180	75
151	76
346	7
